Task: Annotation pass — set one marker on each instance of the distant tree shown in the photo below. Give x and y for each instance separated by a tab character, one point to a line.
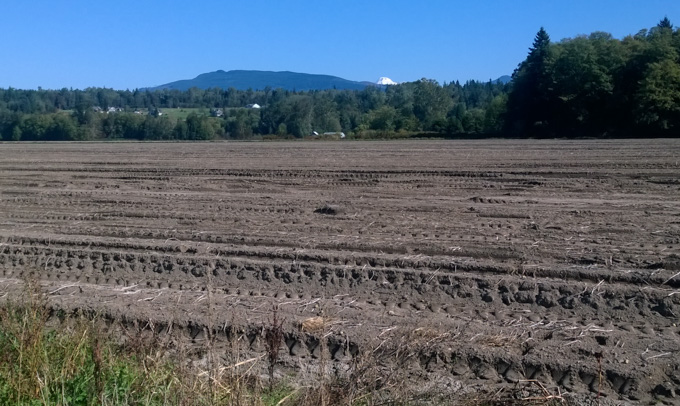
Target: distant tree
299	116
123	125
199	128
532	103
35	127
584	86
665	23
653	69
157	128
63	128
181	130
371	98
401	98
658	106
473	121
10	125
241	123
282	130
295	111
383	119
494	114
16	134
83	112
325	113
430	103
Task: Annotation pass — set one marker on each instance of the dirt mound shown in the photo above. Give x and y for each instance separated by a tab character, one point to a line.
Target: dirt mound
329	209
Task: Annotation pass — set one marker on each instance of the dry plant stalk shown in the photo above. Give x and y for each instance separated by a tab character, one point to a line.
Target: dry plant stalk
211	347
323	390
273	338
545	396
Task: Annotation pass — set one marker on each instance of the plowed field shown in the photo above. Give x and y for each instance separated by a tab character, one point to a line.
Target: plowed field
465	263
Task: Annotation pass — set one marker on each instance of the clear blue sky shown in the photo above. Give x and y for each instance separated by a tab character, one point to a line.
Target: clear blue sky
125	44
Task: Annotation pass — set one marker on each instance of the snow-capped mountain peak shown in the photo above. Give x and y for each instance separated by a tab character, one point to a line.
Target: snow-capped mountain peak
385	81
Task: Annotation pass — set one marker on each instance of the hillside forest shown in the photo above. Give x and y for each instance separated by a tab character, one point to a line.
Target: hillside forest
587	86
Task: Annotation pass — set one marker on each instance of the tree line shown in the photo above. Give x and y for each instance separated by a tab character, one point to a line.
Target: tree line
588	86
421	106
597	86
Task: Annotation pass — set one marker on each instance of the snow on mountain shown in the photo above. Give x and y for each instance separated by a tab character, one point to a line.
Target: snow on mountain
385	81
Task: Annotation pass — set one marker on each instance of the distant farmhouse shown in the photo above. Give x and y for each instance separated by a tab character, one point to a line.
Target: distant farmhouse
253	106
216	112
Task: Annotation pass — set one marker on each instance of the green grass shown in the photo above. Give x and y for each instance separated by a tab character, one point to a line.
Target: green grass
73	364
183	113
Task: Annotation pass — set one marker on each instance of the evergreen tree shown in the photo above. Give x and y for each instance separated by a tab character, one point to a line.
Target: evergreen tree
532	102
665	23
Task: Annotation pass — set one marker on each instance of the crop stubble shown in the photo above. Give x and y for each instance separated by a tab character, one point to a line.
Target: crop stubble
502	260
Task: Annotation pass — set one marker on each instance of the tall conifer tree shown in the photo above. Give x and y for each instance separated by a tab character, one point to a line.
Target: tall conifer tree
532	98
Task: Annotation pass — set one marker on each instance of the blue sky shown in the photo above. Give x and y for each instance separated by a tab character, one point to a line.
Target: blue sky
124	44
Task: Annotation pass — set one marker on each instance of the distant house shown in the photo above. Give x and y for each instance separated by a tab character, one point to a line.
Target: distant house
337	134
155	111
253	106
113	110
216	112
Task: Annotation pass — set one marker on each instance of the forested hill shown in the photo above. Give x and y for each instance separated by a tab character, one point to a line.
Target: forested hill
587	86
253	79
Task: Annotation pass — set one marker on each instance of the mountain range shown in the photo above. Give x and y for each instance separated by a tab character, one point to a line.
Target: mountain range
253	79
257	80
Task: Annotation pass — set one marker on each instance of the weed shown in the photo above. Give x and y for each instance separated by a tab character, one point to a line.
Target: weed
273	338
73	364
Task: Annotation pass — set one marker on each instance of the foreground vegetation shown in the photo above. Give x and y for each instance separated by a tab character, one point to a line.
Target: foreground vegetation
77	361
74	363
587	86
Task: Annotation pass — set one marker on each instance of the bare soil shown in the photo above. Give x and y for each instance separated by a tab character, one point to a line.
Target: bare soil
465	264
